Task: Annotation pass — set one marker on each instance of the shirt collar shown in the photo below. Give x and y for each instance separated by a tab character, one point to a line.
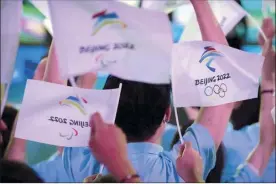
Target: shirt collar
137	147
143	147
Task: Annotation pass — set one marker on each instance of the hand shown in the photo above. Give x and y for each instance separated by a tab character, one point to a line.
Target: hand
107	142
189	164
87	80
268	29
91	179
108	145
40	70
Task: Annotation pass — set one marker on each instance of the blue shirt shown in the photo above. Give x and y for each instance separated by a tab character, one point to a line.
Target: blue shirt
238	145
168	135
151	162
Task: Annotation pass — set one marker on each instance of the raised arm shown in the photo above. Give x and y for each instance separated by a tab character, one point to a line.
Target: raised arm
215	119
259	158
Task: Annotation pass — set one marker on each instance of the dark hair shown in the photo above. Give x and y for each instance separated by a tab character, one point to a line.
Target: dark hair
246	114
17	172
8	117
141	107
215	174
105	179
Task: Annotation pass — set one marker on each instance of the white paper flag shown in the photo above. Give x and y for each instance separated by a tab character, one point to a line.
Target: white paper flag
210	74
52	114
164	5
10	30
228	14
112	37
42	6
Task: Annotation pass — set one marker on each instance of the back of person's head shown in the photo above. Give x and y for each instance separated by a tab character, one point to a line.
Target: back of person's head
247	113
215	174
17	172
8	117
141	107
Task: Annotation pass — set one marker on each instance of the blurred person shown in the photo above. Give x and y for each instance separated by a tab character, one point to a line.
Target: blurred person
6	127
17	172
142	112
244	137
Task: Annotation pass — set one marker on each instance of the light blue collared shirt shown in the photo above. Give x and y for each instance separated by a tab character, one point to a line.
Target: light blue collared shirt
151	162
238	145
168	136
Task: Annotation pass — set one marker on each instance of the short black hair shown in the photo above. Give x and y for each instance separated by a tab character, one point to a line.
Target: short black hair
17	172
141	107
215	174
9	116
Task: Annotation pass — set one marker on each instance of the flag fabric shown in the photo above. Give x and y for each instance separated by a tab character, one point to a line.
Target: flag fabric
54	114
42	6
112	37
210	74
228	14
10	30
166	6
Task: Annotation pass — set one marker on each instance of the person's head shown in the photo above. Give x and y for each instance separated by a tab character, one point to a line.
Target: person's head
245	113
17	172
8	117
143	109
215	174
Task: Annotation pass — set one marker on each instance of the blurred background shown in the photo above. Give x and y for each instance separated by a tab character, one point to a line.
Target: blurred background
35	41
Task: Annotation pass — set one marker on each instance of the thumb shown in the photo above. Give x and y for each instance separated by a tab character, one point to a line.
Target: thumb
181	149
187	145
96	122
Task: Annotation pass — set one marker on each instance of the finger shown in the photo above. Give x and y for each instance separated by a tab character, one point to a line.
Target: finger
96	122
188	145
3	125
181	149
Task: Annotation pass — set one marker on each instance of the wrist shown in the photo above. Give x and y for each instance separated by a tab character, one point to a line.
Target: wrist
121	169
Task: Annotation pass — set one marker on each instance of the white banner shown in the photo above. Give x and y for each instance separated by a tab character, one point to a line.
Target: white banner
228	14
42	6
53	114
10	30
164	5
210	74
113	37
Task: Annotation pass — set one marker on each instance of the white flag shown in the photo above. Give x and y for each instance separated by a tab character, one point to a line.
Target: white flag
10	31
228	14
42	6
164	5
113	37
52	114
210	74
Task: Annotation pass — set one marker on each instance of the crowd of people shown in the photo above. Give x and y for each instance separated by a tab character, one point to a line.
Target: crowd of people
221	143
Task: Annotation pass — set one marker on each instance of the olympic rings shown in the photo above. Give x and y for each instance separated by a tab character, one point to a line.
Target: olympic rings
219	90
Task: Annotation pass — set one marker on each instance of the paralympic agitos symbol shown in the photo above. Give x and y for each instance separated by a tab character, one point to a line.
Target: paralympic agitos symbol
69	136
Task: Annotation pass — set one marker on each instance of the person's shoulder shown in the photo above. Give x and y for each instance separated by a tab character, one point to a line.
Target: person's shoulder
75	151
